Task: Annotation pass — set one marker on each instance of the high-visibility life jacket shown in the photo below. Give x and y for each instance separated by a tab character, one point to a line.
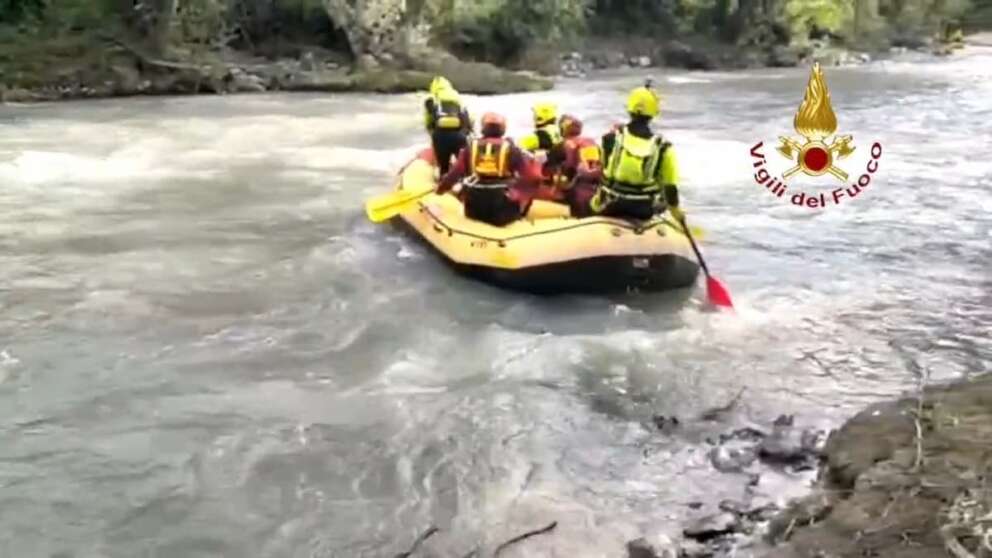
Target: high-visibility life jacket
447	111
588	151
489	160
634	163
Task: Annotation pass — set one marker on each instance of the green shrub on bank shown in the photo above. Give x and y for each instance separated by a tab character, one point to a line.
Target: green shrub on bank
500	30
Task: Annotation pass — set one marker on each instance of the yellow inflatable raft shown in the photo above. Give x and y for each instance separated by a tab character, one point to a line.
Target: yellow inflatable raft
549	251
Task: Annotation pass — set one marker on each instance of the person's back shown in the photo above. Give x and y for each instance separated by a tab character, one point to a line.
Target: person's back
546	133
546	143
640	175
491	163
447	122
582	168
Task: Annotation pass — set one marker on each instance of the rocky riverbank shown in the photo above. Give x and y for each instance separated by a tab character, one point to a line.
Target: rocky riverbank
707	55
906	478
120	70
99	67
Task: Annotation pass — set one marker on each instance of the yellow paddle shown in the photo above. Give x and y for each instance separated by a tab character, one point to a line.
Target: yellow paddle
386	206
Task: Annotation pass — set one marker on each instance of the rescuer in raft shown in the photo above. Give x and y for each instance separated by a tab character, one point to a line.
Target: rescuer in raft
547	144
446	121
640	173
582	168
501	178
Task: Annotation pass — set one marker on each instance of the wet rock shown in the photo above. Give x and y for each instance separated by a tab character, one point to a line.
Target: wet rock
240	81
804	511
664	423
790	446
307	62
748	434
783	57
17	95
910	42
694	549
660	547
474	77
602	60
733	506
681	55
711	526
127	79
318	81
573	68
731	460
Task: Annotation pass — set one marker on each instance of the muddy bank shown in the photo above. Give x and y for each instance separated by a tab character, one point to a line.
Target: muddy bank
905	479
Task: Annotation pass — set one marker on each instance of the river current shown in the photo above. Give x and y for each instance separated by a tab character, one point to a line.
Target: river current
207	350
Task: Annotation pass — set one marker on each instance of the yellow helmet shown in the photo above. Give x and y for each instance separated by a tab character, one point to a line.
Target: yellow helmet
447	95
545	113
440	84
643	101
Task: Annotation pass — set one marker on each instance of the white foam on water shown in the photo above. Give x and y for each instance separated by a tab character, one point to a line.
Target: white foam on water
687	79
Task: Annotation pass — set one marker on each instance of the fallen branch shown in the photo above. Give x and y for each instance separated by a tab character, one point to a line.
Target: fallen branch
420	540
526	535
919	444
147	59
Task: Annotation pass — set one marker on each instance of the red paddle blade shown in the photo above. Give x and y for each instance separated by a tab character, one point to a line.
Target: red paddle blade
717	293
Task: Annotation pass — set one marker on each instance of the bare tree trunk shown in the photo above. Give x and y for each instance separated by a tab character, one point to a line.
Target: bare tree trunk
163	24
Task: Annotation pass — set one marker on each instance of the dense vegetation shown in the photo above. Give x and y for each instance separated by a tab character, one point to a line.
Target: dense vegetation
492	29
37	35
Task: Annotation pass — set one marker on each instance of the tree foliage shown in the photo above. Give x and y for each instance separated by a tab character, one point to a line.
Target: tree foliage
502	29
494	30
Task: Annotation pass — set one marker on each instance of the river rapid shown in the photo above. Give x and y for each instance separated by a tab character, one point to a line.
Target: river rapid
207	350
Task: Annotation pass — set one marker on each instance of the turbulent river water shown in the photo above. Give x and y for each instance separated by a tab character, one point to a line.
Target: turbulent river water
207	350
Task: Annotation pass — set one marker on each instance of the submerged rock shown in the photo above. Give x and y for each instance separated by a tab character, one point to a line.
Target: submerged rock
789	446
660	547
731	460
711	526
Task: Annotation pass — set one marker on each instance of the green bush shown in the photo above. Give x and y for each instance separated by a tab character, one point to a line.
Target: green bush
500	30
802	16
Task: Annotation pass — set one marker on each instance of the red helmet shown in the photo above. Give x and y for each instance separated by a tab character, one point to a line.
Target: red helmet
571	126
493	124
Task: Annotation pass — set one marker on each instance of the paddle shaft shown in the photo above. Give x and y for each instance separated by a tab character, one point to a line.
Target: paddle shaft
702	262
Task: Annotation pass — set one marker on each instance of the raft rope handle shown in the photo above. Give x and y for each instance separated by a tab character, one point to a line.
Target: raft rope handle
452	230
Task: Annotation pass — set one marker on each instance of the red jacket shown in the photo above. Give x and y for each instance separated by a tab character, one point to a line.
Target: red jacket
519	163
583	162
